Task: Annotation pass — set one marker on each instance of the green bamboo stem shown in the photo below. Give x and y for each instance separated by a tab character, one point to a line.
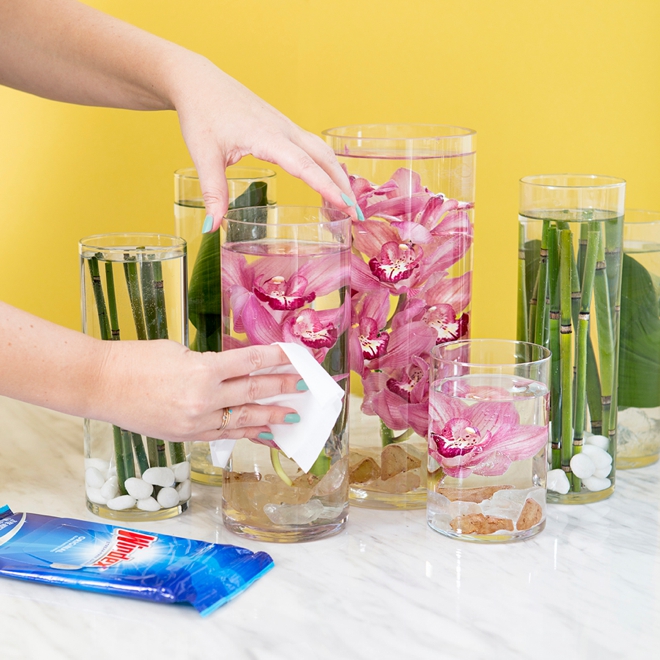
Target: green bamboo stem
566	329
133	285
555	362
119	458
582	249
533	302
540	325
277	465
159	296
522	329
605	335
153	297
593	391
589	271
127	454
99	298
112	301
140	454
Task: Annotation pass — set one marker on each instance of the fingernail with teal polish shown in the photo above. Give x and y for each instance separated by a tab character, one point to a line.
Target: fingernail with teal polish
265	436
347	199
301	386
292	418
208	224
360	215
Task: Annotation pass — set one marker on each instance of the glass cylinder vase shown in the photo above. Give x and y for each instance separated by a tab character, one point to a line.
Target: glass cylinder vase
488	439
246	186
411	290
569	289
639	353
134	287
286	278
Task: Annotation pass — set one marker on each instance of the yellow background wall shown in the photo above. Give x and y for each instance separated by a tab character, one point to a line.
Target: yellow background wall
549	85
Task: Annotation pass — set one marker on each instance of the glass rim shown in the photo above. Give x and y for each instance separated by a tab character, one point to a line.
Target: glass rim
502	342
266	173
276	207
91	242
537	180
333	132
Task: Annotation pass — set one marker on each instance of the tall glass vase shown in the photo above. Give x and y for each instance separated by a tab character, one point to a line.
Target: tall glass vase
134	287
285	272
569	289
639	353
411	290
247	186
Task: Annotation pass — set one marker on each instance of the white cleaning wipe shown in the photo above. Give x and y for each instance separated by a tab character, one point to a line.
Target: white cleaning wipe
319	408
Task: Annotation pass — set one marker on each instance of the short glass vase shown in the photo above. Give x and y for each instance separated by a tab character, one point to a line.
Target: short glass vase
488	439
410	290
134	288
569	292
639	353
285	273
246	186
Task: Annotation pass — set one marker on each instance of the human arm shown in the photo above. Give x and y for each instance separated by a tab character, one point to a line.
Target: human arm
157	388
67	51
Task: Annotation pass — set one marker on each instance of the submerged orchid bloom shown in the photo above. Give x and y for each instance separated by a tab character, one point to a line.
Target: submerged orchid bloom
444	320
395	262
484	438
399	397
282	294
311	328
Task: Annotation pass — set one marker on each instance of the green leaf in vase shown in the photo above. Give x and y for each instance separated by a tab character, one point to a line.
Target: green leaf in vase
639	344
204	292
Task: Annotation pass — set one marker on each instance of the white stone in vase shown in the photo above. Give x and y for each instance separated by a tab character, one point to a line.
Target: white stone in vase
159	476
121	503
148	504
138	488
582	466
184	489
94	478
168	497
181	471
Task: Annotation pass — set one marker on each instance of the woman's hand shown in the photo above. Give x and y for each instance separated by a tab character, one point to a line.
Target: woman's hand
222	121
163	390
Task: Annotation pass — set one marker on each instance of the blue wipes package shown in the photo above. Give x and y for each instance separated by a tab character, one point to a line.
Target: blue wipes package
126	562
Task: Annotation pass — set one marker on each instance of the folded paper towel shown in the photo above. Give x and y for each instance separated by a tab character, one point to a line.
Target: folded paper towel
318	408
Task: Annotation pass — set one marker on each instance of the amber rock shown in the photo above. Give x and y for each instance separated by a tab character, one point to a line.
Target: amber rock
470	494
530	515
477	523
394	460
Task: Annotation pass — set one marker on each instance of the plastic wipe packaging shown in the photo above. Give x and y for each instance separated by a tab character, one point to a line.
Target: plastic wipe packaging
125	562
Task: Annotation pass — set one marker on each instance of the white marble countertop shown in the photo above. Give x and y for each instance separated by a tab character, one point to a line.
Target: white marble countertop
587	587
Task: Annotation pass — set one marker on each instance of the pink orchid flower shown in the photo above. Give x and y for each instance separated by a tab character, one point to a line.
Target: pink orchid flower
400	397
484	438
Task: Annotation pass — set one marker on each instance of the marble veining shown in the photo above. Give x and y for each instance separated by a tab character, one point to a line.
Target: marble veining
586	588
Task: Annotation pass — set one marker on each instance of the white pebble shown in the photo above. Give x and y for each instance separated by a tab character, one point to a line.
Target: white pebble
159	476
110	488
181	471
598	441
601	473
94	495
595	484
599	456
184	489
168	497
94	477
121	503
148	504
138	488
582	466
558	481
98	463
